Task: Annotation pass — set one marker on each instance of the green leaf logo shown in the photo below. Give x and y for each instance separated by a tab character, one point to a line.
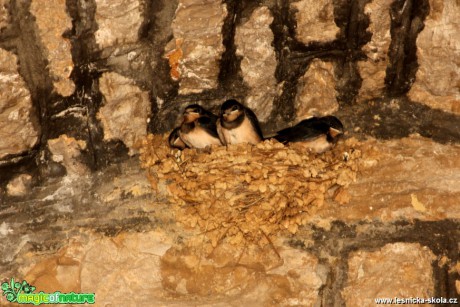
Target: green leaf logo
12	289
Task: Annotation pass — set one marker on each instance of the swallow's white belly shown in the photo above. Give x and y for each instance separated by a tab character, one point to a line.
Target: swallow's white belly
199	138
318	144
244	133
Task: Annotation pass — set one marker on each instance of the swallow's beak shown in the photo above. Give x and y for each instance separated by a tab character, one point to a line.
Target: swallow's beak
334	132
187	117
225	115
190	116
230	115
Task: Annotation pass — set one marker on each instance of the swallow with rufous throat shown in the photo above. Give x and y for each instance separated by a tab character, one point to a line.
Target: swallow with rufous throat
238	124
198	128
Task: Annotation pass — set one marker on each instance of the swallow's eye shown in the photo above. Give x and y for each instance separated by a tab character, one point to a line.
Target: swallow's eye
234	108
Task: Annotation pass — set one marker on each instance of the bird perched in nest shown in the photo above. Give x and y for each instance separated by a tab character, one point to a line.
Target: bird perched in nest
320	133
238	124
175	141
198	129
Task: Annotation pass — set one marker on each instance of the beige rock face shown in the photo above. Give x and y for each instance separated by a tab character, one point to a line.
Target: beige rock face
118	21
52	21
437	81
254	41
143	267
397	270
122	236
236	275
129	263
411	178
17	131
196	49
66	150
316	94
19	185
90	263
4	17
315	21
126	110
372	71
302	271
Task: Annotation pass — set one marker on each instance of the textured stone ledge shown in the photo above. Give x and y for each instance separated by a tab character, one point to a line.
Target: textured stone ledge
411	178
18	130
52	21
197	47
438	53
70	232
118	22
254	41
126	110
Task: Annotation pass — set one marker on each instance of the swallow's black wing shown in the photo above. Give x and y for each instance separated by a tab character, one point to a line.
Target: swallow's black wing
302	131
211	115
308	129
208	123
254	121
175	141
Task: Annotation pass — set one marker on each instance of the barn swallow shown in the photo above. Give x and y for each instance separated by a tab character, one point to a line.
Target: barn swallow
175	141
320	133
238	124
198	128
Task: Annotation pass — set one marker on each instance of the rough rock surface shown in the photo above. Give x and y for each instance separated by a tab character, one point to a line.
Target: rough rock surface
373	70
277	275
67	150
52	21
19	185
265	225
316	94
196	49
142	252
118	21
92	263
126	110
428	176
114	257
155	264
397	270
18	132
4	17
437	81
304	273
66	234
315	21
254	41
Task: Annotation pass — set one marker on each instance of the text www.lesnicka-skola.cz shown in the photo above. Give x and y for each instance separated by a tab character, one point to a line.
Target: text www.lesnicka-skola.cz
416	300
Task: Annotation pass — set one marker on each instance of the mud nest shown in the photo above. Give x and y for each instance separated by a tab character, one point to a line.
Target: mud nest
245	193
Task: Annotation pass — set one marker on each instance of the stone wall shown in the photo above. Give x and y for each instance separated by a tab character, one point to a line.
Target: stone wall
287	60
112	231
81	82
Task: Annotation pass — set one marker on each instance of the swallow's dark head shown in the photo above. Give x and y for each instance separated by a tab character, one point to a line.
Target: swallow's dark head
335	127
231	110
192	112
